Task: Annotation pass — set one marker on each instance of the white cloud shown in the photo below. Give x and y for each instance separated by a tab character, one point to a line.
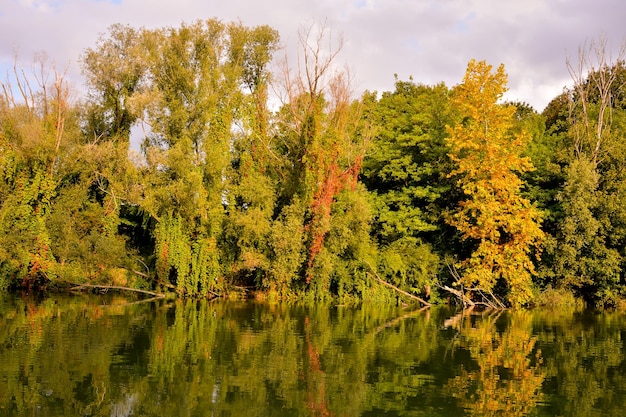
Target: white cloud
432	40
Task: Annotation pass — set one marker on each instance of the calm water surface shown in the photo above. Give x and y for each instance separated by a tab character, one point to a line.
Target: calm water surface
100	356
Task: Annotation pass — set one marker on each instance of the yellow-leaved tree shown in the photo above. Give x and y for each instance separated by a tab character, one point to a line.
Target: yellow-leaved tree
504	226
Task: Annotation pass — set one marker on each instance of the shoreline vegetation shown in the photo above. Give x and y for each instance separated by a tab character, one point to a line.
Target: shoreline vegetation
198	164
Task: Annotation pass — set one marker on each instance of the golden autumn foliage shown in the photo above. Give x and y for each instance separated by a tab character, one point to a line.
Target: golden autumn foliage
489	158
486	391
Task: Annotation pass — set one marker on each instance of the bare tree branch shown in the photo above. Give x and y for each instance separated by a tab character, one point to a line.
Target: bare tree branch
594	72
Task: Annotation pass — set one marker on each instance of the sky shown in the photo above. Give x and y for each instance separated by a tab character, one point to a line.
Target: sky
429	40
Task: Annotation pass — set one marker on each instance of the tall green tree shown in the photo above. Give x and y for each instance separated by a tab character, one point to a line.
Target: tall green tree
494	215
253	174
115	69
588	240
405	171
198	72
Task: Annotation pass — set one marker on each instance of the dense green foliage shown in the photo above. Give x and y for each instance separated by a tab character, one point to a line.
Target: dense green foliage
179	170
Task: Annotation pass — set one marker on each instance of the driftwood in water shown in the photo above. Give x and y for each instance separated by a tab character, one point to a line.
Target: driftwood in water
117	287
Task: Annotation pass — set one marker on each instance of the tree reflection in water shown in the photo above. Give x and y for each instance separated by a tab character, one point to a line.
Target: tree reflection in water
508	378
103	357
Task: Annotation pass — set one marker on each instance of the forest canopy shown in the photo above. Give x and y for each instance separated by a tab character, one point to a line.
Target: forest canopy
178	172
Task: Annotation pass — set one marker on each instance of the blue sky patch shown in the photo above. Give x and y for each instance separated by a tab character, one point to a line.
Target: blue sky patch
463	25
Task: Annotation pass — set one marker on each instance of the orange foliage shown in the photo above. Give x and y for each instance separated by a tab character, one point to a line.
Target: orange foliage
332	183
316	395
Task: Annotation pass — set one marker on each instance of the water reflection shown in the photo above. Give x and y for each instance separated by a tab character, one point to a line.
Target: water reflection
507	376
102	357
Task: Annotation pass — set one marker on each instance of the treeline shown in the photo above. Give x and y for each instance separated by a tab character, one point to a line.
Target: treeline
196	166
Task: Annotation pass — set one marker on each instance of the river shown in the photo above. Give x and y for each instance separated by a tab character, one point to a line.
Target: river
107	356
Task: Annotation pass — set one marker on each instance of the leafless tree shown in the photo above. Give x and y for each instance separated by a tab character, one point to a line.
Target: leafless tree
594	74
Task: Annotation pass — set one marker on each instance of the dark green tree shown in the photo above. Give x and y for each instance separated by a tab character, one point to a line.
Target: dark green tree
405	171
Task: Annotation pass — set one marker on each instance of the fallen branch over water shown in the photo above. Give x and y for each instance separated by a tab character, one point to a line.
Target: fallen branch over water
491	302
466	300
116	287
415	297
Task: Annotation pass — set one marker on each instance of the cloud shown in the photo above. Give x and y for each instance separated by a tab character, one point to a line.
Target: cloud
431	40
